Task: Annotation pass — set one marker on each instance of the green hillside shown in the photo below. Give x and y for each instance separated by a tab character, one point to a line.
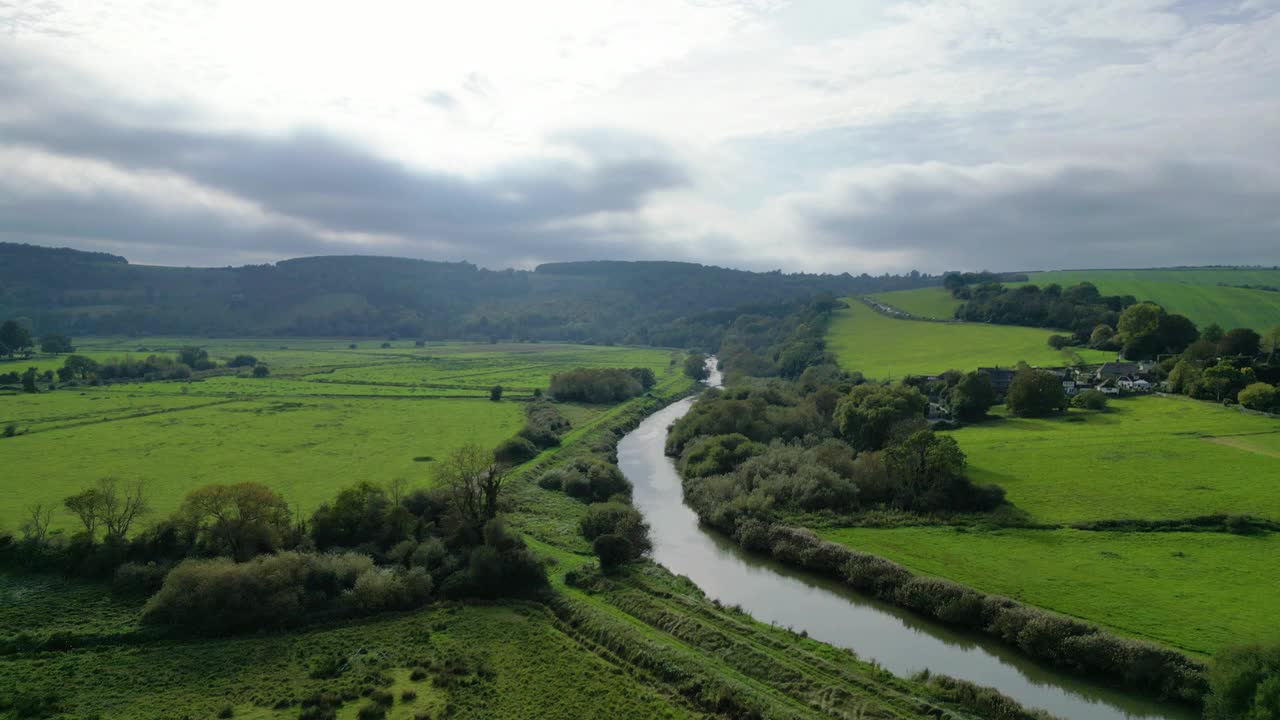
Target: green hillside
933	302
1195	293
881	347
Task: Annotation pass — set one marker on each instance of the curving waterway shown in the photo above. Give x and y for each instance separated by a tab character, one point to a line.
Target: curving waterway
898	640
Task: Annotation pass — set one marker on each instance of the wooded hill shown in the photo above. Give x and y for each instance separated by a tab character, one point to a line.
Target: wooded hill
59	290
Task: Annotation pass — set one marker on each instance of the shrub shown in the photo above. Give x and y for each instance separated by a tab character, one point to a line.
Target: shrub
138	579
554	479
261	371
1245	683
596	385
615	518
612	550
1260	396
1090	400
1036	393
514	451
495	393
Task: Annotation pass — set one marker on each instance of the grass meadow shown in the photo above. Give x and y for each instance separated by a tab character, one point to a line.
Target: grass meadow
882	347
1193	292
934	303
1147	457
1195	591
326	418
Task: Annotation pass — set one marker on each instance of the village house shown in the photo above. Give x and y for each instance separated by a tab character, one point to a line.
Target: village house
1116	370
1000	378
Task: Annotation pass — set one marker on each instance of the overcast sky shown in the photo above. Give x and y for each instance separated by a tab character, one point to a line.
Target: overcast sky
817	135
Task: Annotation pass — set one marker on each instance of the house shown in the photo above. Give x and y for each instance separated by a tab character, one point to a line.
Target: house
1116	370
1134	384
1108	387
1069	387
1000	378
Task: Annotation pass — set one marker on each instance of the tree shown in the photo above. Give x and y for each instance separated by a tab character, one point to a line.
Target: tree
36	525
1184	376
1139	330
1260	396
1036	393
1213	333
1240	341
29	381
495	393
1090	400
80	366
514	451
121	505
241	519
928	470
261	371
1272	343
1244	684
1222	381
971	396
612	550
243	361
14	338
86	505
1177	332
1102	338
56	344
474	482
695	366
867	415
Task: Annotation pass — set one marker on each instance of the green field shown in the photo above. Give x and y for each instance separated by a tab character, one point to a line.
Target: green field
1195	293
328	417
933	303
1196	591
883	347
1148	457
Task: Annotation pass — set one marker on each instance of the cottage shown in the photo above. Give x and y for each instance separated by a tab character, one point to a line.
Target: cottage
1116	370
1134	384
1000	378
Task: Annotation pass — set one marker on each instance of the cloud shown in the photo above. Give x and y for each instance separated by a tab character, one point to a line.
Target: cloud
1126	213
306	185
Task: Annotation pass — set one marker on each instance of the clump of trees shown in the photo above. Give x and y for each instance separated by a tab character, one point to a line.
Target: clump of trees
695	366
15	339
1079	308
1036	393
617	532
588	479
1244	682
601	385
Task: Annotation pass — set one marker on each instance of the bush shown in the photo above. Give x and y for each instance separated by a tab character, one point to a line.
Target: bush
612	550
615	518
261	371
1260	396
1245	683
597	385
495	393
242	361
1036	393
1090	400
514	451
138	579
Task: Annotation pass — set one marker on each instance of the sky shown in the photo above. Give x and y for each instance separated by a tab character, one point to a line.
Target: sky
814	135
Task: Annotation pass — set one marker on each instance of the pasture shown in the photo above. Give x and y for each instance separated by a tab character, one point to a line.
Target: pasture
882	347
934	303
1146	458
326	418
1195	591
1193	292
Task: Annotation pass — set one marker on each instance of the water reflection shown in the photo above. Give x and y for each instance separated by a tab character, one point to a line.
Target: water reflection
900	641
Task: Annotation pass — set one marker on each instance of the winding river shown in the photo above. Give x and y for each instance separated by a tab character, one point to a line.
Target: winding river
898	640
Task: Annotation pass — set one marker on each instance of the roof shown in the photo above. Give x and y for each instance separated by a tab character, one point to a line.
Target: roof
1118	368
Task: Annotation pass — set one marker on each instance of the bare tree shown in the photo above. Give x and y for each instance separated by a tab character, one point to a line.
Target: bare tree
86	505
121	505
397	488
475	483
36	526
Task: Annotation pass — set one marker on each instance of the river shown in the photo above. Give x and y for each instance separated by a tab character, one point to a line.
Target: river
898	640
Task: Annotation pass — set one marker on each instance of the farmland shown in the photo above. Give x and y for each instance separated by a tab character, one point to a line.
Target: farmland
327	417
1148	457
935	303
1194	292
881	347
1195	591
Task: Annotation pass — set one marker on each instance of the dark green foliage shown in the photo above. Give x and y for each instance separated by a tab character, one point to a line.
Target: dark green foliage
1090	400
615	518
261	371
1260	396
56	344
15	339
695	366
29	381
927	470
1240	341
242	361
514	451
987	702
544	425
612	550
867	415
598	385
1080	308
138	579
495	393
356	517
1036	393
971	396
716	454
196	358
1244	684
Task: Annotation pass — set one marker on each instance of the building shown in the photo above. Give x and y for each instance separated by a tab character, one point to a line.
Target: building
1116	370
1000	378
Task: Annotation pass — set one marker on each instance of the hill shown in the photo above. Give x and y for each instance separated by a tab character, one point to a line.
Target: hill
1206	295
649	303
931	303
882	347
